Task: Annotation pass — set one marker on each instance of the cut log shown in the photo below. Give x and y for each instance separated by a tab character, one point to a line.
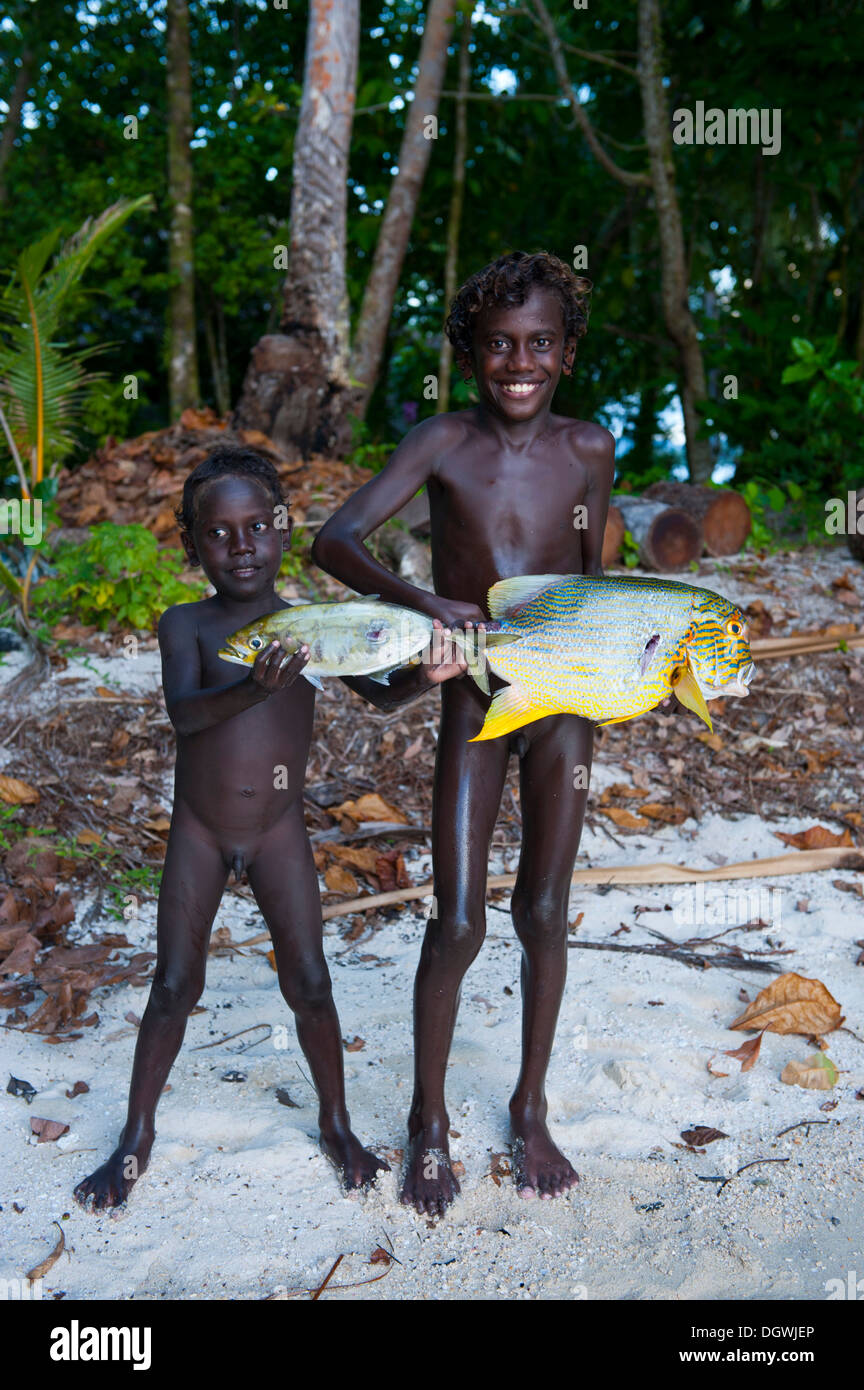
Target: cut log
855	539
723	514
612	536
667	537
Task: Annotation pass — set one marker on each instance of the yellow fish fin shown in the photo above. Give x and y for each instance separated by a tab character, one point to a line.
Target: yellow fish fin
686	689
509	594
510	709
622	719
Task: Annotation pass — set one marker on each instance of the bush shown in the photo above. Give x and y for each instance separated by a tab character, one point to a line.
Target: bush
118	577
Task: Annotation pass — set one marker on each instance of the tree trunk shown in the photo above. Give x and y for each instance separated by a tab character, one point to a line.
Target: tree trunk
390	248
668	539
182	355
676	310
451	264
722	513
297	388
13	117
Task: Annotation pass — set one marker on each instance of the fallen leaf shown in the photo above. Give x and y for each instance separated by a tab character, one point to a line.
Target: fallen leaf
47	1130
355	1045
846	887
284	1099
88	837
818	1073
713	1072
457	1168
747	1053
713	741
371	806
817	837
625	820
792	1004
340	880
20	959
79	1089
702	1134
16	793
17	1087
38	1271
620	789
380	1256
664	811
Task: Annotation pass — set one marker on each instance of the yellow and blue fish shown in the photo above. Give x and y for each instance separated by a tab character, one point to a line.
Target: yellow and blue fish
611	648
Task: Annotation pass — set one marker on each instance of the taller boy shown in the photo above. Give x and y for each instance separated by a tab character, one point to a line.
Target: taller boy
507	481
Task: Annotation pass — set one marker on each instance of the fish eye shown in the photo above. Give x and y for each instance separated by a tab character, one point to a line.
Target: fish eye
255	643
734	627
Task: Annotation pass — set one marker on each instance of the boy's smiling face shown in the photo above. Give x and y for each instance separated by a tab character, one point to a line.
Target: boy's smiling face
518	354
234	538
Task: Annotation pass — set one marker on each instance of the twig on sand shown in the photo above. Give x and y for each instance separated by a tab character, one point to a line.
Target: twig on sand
802	1124
753	1164
321	1287
216	1041
684	957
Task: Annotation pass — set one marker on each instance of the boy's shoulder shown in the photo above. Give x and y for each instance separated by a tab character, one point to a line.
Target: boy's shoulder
589	437
440	431
180	617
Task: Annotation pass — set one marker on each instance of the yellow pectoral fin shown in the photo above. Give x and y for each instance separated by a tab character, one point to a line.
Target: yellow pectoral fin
510	709
622	719
686	689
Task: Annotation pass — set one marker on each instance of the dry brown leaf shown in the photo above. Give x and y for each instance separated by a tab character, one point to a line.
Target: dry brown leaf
816	837
38	1271
747	1053
80	1088
371	806
846	887
619	789
713	1072
713	741
88	837
380	1256
105	693
20	959
47	1130
792	1004
355	1045
340	880
818	1073
665	811
16	793
702	1134
625	820
355	857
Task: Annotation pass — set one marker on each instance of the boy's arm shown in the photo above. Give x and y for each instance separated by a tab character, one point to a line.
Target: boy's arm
192	709
409	682
339	547
599	453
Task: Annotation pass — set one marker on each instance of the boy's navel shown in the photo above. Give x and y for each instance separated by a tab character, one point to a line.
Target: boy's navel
247	791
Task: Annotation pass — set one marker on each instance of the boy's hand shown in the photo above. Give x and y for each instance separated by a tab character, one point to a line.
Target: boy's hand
448	660
451	613
275	668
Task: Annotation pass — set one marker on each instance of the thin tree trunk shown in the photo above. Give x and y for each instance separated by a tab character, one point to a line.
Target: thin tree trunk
220	386
392	243
680	323
297	386
454	224
182	354
13	117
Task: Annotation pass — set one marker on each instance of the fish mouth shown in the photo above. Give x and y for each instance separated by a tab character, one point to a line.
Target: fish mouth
739	686
225	654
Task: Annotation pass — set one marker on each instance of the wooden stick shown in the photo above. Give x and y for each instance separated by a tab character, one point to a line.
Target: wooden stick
799	862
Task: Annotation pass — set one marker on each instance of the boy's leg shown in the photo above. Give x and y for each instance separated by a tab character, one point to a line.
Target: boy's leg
553	809
193	881
283	878
468	782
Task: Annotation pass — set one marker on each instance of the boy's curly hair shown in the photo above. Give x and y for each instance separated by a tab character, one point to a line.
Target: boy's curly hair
510	280
227	460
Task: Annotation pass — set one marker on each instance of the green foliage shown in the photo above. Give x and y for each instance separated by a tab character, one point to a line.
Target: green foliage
43	382
629	551
117	578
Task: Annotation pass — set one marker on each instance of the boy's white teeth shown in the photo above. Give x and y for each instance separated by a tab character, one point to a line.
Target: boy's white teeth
522	388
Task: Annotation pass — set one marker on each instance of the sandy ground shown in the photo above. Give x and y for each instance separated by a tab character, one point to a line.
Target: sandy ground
239	1203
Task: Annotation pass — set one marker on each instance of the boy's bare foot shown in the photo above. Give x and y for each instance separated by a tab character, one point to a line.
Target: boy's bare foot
356	1166
111	1184
430	1184
539	1167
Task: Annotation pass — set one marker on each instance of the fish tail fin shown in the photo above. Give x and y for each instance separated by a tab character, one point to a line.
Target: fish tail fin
510	709
473	645
686	689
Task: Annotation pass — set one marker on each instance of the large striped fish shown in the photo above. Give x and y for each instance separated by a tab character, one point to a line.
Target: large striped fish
611	648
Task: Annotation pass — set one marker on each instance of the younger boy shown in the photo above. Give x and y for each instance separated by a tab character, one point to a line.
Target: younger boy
509	486
231	737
